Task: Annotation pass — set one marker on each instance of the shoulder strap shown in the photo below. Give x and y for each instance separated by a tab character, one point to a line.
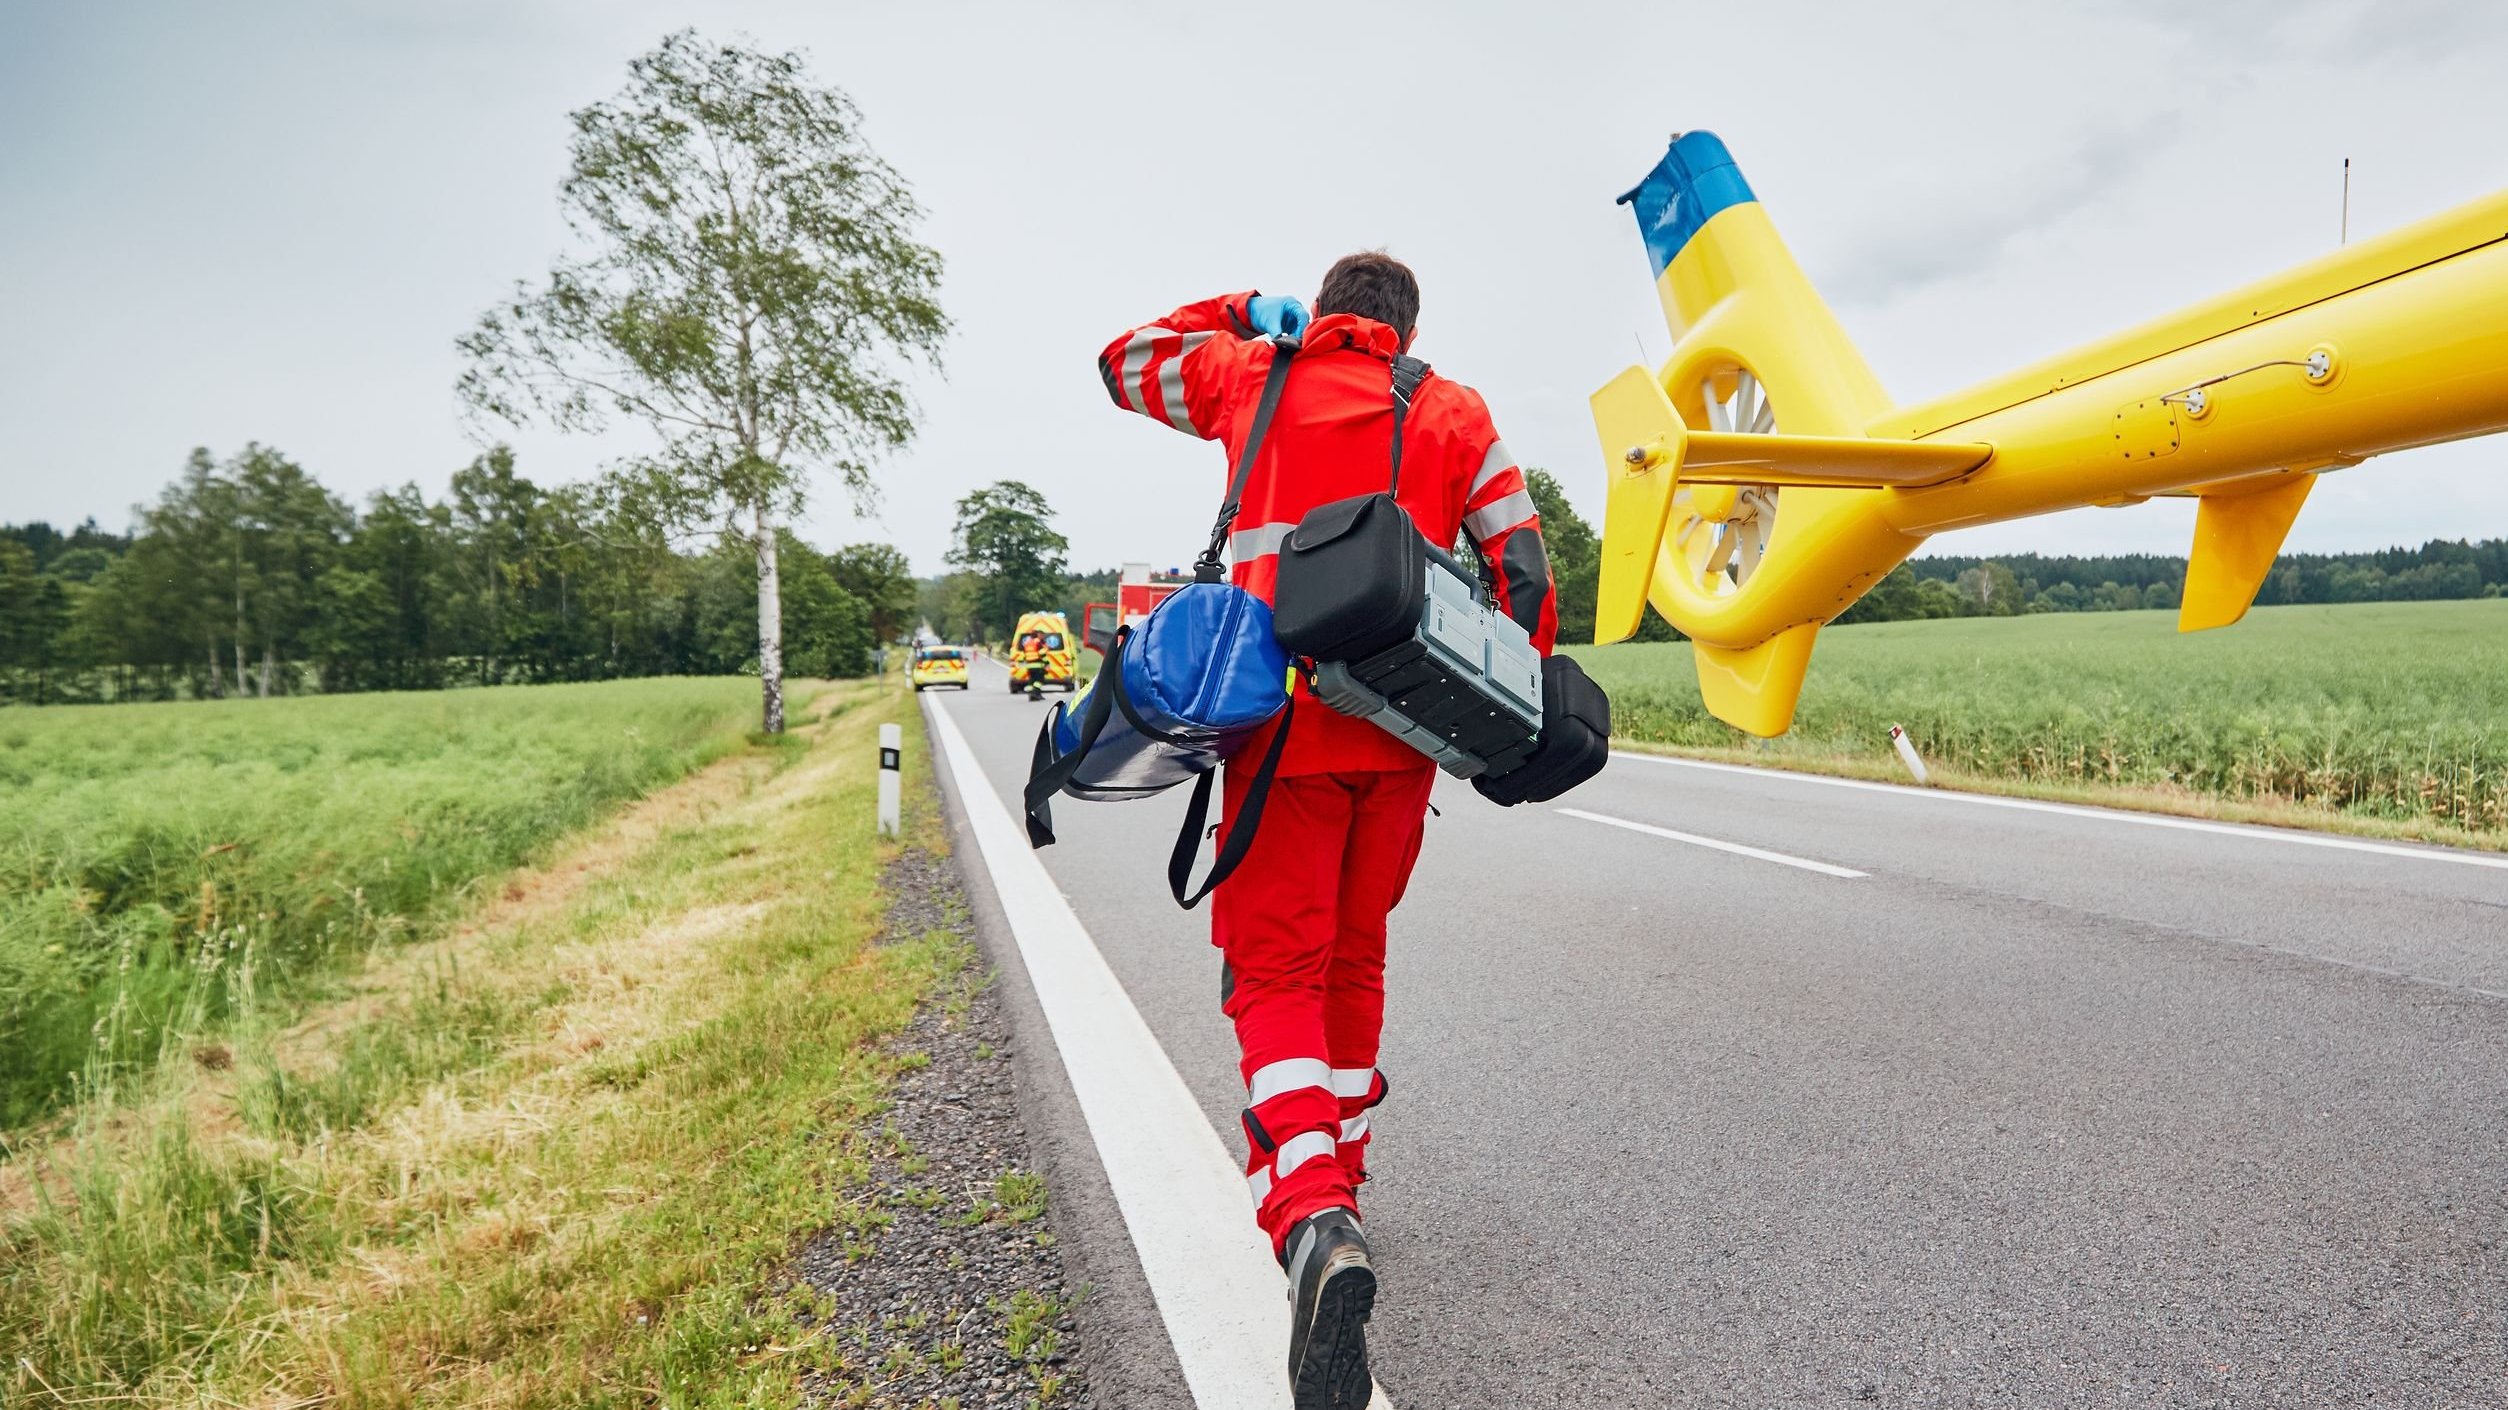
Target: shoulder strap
1241	828
1408	373
1048	773
1206	568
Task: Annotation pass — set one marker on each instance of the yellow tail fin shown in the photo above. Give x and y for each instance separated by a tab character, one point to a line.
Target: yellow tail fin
2237	533
1754	688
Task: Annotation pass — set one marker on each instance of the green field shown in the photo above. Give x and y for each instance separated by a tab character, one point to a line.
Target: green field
160	864
2396	712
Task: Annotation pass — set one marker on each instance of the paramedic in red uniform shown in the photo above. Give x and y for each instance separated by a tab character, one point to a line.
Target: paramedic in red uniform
1301	923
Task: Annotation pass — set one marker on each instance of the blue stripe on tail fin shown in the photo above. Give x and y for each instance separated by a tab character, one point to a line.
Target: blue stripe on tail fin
1695	179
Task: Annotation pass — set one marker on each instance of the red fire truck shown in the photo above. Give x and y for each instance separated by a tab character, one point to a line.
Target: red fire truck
1137	592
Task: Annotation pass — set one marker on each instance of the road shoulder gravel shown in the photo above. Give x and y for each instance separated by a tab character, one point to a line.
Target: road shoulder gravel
943	1278
1126	1352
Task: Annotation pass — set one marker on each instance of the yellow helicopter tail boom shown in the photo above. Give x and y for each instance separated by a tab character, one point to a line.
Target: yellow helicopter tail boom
1759	483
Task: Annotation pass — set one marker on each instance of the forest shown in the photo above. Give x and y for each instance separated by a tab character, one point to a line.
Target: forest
246	577
1953	585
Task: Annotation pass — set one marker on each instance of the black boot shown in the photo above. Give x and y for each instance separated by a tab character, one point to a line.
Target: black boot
1332	1290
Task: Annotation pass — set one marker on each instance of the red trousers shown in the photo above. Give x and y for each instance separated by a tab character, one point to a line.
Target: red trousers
1302	924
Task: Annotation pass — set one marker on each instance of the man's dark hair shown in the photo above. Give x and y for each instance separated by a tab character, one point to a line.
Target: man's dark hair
1371	284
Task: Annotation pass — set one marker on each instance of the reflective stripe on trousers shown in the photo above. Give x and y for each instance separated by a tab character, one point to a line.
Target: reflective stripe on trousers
1294	1152
1348	1085
1288	1075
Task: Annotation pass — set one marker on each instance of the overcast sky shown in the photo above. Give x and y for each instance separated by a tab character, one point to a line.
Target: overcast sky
226	223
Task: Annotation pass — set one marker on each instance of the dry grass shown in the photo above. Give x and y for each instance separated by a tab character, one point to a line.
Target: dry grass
549	1159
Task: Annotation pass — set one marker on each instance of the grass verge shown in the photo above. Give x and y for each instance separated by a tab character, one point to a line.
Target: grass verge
2382	719
161	865
2142	798
553	1158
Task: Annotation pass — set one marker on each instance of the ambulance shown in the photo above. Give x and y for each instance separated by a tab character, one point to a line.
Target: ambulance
1043	655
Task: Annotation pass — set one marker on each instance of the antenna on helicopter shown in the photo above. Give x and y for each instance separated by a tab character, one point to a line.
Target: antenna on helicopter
2346	201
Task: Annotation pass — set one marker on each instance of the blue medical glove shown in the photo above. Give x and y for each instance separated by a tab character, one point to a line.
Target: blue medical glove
1276	314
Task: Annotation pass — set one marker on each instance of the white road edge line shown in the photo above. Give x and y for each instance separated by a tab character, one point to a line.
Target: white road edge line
2114	815
1736	848
1183	1198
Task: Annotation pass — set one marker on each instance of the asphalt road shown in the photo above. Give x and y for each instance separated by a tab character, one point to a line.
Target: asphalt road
2049	1107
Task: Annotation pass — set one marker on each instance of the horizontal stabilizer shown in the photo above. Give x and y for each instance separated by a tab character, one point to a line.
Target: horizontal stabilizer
1825	462
2237	535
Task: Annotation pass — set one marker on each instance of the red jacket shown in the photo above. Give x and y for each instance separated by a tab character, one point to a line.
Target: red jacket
1201	368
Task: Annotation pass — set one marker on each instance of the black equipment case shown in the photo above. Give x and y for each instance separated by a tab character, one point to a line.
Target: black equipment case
1403	635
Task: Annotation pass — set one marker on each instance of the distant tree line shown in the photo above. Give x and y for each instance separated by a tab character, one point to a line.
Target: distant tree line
952	601
247	578
1953	585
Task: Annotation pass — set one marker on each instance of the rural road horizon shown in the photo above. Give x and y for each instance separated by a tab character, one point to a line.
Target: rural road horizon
1716	1086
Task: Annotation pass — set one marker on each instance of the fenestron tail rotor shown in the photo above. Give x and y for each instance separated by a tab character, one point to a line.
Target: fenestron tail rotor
1723	530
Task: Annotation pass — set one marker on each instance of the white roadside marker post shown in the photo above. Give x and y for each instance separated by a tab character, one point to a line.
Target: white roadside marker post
892	747
1907	753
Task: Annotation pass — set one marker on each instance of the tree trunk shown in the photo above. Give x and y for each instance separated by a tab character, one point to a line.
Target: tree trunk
497	659
770	623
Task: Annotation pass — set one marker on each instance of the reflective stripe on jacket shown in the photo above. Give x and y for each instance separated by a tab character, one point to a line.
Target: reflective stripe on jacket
1200	370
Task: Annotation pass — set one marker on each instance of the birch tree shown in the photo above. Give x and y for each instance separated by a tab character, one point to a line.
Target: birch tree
750	291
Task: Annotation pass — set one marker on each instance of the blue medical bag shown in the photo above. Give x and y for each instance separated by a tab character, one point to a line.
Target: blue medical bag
1176	696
